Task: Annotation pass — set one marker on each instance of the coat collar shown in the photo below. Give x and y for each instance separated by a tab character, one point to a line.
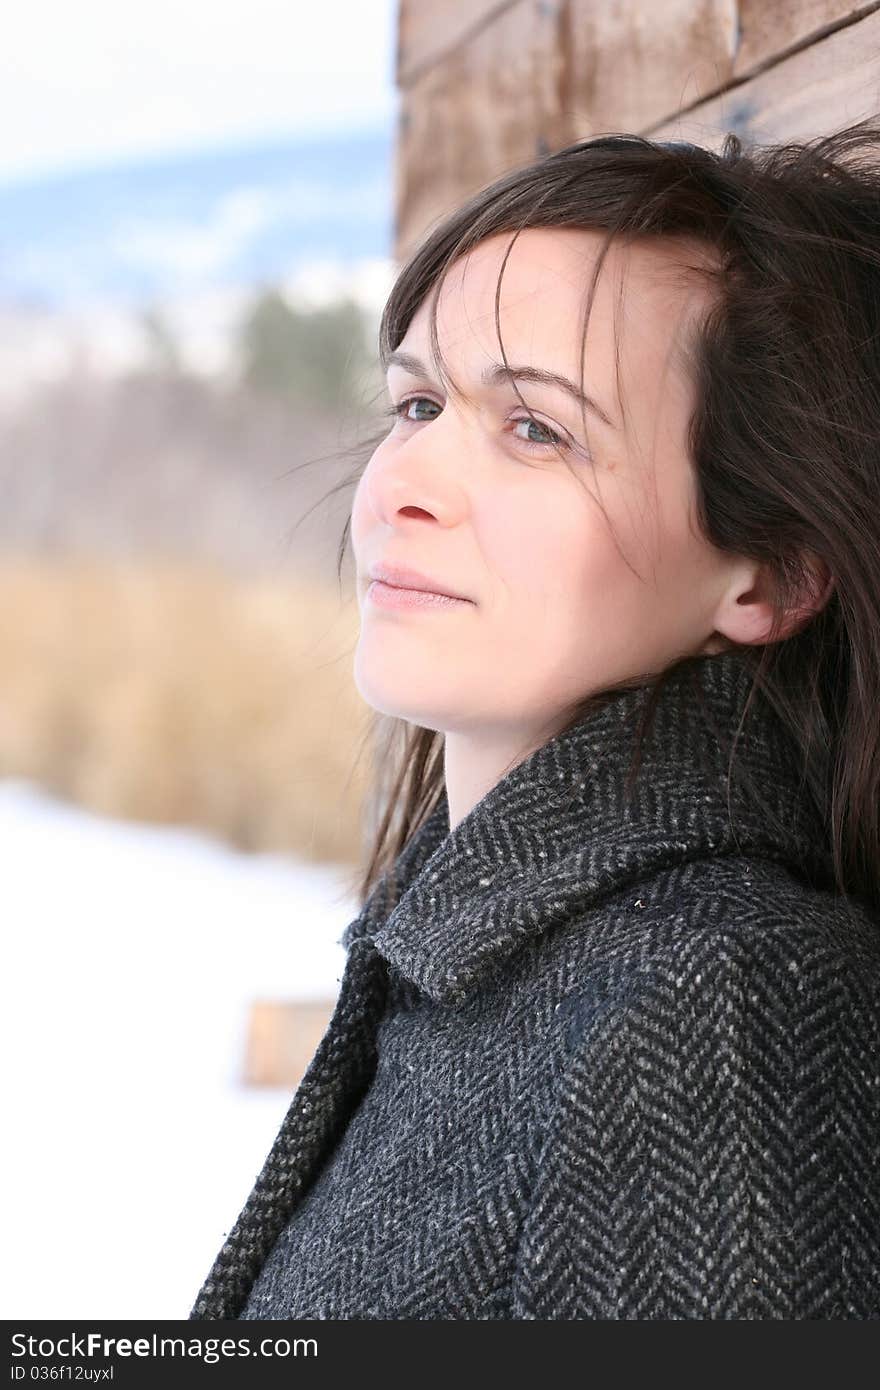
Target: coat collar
558	832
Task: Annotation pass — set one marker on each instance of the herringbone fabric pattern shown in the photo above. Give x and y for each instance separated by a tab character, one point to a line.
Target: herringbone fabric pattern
598	1055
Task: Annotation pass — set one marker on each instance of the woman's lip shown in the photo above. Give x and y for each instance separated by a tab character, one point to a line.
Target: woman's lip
402	577
398	596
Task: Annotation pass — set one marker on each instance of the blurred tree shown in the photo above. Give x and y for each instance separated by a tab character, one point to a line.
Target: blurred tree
162	350
312	357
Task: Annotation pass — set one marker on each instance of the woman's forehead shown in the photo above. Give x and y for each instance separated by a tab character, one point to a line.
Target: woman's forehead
562	259
644	301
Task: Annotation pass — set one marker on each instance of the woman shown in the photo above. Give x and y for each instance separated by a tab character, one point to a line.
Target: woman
606	1044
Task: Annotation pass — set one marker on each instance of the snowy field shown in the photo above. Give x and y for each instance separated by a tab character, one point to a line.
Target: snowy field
131	955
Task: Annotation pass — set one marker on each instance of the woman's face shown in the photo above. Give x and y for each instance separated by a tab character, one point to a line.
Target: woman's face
471	494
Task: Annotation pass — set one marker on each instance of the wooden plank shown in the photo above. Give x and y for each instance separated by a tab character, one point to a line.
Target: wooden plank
282	1037
540	76
428	30
628	63
543	74
824	87
486	107
768	32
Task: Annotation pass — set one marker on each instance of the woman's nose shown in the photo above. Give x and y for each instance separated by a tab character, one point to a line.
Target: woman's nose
419	473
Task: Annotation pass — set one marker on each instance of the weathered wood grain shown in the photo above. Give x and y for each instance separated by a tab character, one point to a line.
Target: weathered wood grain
540	75
490	105
429	29
821	88
768	31
497	85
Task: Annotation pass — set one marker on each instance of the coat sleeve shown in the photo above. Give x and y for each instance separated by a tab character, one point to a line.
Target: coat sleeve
712	1144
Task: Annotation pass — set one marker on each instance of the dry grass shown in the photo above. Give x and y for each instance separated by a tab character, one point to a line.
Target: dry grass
179	694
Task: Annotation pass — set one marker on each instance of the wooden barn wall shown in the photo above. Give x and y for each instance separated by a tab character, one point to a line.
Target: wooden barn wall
486	86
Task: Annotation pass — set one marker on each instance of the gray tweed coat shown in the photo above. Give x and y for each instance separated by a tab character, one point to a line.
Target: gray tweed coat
598	1056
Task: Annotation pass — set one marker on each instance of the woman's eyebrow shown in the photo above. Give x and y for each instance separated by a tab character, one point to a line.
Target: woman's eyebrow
498	374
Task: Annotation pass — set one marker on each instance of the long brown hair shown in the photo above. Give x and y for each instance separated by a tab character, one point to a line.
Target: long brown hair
784	439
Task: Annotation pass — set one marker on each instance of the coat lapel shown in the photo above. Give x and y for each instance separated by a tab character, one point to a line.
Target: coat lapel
568	827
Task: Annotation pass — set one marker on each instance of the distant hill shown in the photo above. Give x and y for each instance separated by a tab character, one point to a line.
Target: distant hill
144	231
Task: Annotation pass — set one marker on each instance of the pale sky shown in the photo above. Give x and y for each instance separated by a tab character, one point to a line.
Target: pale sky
97	80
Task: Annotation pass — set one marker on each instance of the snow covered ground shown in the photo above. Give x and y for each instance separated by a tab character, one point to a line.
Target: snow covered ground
132	953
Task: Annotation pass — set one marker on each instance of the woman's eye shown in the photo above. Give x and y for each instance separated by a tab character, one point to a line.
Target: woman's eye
555	440
552	438
404	405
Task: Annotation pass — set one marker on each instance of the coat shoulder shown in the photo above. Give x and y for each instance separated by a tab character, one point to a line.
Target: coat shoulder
711	1144
705	933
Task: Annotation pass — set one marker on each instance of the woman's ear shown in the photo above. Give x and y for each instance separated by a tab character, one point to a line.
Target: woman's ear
745	614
